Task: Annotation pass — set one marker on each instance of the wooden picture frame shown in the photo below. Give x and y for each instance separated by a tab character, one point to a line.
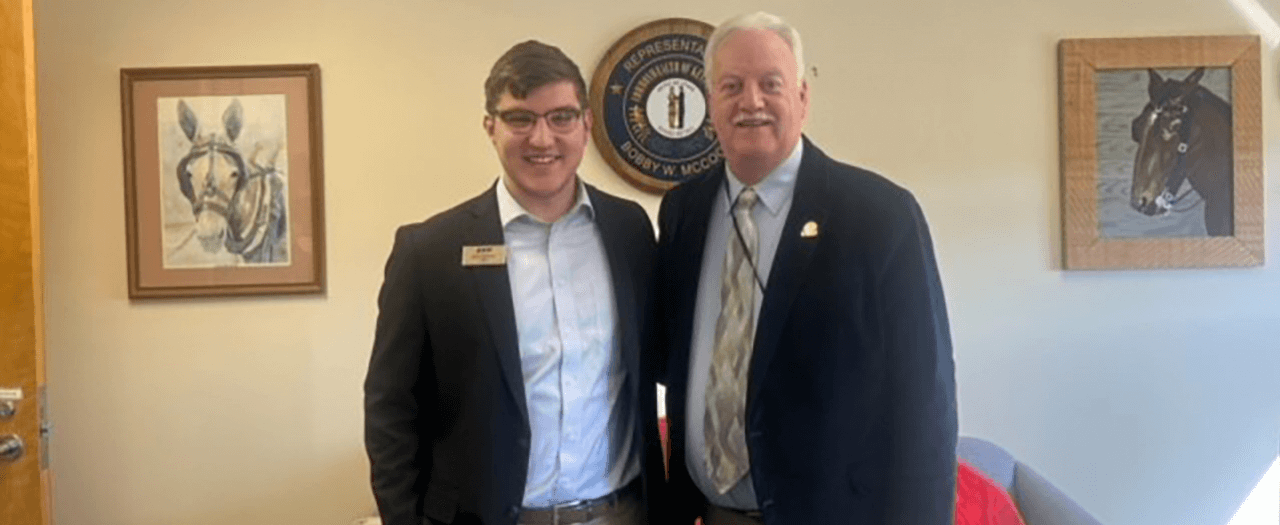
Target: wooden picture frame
224	186
1105	226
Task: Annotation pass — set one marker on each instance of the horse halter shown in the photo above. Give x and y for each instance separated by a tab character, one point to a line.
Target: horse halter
207	147
1181	113
249	232
243	233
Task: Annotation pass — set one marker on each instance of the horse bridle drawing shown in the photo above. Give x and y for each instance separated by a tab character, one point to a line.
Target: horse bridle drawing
212	198
247	207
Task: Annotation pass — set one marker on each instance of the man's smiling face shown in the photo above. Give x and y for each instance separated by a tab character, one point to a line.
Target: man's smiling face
758	105
540	163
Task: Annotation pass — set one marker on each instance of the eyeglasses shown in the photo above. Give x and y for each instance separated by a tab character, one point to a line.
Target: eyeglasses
522	120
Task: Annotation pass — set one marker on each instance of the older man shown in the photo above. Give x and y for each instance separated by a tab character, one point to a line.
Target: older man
506	384
809	371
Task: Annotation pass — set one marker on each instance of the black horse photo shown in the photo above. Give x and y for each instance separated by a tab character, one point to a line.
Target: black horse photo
1184	133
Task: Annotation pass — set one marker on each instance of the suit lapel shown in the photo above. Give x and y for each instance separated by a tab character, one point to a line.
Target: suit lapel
688	244
620	270
789	263
494	290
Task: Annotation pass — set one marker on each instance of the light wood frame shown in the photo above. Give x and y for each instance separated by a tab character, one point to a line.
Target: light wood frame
1079	59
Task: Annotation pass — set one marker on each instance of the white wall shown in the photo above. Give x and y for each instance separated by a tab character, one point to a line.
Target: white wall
1151	397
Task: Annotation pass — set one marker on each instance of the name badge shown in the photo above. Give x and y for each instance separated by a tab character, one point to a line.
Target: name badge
494	255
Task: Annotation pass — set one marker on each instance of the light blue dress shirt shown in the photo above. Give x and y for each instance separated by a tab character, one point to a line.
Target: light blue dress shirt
770	214
581	415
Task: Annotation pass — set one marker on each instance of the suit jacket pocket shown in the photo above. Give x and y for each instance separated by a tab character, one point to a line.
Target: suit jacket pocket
440	503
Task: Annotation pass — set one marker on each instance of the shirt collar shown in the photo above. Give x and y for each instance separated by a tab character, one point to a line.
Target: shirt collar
510	210
776	188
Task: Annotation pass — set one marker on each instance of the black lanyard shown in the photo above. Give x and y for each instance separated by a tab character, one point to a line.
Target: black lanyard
732	202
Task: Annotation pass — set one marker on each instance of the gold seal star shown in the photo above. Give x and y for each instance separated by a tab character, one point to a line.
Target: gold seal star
616	89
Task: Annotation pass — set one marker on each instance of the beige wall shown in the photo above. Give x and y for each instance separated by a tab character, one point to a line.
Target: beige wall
1149	396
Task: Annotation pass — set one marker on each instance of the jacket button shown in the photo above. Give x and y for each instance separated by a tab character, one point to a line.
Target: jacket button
755	434
523	442
513	511
766	504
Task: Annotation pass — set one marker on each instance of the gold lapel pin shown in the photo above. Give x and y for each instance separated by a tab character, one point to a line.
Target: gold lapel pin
809	231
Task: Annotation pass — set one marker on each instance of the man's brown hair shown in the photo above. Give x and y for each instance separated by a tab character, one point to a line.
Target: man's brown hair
528	66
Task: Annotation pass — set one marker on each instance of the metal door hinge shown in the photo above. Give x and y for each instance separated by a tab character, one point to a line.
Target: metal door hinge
46	428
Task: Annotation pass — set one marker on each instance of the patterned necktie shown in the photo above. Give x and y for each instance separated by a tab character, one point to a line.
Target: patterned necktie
723	425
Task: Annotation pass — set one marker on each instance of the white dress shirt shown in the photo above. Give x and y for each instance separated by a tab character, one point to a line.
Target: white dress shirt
770	214
581	416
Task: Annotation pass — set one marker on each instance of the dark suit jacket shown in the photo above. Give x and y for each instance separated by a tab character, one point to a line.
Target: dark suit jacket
851	413
446	424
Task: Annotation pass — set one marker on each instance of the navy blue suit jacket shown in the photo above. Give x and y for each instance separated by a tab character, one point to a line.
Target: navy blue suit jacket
446	422
851	412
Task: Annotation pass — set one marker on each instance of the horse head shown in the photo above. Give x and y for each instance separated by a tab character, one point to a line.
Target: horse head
1162	132
212	172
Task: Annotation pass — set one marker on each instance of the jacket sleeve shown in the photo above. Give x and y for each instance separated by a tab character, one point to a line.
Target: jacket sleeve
395	389
922	470
683	500
662	293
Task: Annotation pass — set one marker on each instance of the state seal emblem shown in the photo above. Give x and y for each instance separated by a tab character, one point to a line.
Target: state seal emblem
649	103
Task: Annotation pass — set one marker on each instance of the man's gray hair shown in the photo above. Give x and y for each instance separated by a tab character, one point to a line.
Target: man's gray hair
757	20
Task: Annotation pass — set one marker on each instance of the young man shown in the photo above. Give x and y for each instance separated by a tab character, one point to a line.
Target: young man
810	376
506	384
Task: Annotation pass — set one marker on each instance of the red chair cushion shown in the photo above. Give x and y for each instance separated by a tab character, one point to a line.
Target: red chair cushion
980	501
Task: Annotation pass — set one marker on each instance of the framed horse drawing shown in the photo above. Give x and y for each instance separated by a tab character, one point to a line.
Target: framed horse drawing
1161	143
224	191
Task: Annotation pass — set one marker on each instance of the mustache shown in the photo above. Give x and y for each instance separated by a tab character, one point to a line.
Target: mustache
759	115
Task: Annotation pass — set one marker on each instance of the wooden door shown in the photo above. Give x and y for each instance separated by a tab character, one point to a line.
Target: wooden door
24	476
